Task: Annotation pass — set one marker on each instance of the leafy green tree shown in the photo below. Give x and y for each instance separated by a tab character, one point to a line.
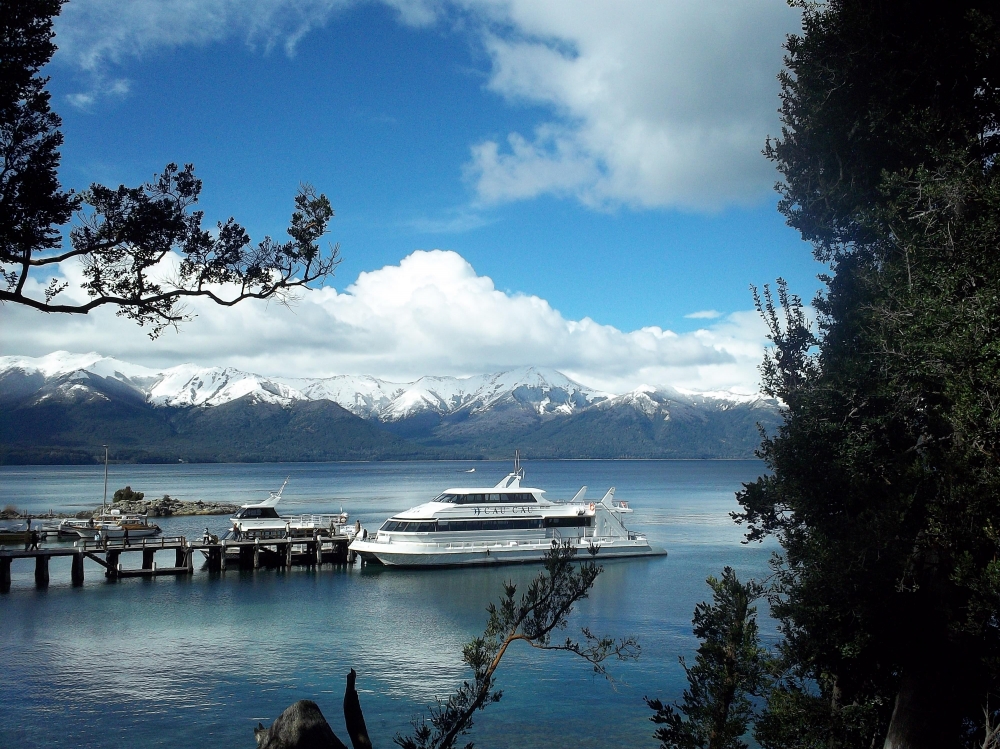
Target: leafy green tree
533	619
729	669
32	205
124	235
885	475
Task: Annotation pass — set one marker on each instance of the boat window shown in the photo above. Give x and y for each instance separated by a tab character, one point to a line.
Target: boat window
491	524
257	512
474	499
402	526
573	522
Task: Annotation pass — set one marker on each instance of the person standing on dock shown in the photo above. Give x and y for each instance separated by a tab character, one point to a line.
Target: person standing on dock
125	535
27	537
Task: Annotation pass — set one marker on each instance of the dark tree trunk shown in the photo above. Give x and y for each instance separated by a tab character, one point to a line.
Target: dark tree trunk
353	716
916	718
938	677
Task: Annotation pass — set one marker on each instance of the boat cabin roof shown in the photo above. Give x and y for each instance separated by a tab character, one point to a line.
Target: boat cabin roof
256	511
486	496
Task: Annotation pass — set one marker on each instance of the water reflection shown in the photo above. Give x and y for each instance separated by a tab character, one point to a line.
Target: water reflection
176	661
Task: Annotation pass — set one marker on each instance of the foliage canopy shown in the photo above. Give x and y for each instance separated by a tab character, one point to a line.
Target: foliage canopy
885	475
729	670
143	249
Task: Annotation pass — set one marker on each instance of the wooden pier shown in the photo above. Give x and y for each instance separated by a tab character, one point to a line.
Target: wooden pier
219	555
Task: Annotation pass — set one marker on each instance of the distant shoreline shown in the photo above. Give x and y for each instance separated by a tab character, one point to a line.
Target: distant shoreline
113	461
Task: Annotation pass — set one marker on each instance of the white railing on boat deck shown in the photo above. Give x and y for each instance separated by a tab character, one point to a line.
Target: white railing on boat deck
535	543
323	521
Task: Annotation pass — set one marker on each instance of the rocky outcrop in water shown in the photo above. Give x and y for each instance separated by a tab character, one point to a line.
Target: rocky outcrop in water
301	726
167	506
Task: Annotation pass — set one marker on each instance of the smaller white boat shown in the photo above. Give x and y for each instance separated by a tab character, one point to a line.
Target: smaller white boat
68	527
261	520
14	536
114	525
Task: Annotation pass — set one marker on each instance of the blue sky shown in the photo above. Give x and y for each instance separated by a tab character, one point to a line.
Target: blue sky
605	162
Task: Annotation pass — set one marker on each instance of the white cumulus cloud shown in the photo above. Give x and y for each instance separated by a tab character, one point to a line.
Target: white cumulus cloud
430	314
654	103
645	103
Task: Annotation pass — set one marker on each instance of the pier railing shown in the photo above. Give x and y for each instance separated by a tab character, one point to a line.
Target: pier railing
157	542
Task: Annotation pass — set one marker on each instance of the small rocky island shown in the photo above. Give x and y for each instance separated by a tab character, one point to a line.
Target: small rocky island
128	501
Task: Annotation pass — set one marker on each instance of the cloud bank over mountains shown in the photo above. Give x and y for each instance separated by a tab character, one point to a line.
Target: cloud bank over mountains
430	314
649	103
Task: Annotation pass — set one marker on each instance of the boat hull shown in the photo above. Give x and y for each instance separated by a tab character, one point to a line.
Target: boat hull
117	533
489	553
15	537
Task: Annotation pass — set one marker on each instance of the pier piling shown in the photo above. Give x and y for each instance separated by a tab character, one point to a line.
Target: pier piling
246	557
77	570
248	554
42	571
111	564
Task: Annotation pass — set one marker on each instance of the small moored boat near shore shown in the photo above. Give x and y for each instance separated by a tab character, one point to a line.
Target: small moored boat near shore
262	521
111	525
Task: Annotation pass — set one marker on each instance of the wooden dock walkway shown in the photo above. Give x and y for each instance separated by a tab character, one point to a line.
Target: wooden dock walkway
247	554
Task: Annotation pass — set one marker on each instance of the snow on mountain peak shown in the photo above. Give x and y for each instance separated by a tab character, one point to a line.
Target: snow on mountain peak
188	385
60	363
546	392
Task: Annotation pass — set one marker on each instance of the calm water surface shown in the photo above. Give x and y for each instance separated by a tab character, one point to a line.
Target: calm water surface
197	661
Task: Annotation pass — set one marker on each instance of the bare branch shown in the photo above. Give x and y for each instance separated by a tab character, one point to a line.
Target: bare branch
531	618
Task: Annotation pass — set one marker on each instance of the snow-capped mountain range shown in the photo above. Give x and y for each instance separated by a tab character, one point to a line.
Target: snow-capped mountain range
546	392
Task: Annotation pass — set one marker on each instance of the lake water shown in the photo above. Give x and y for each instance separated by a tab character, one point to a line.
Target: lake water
199	660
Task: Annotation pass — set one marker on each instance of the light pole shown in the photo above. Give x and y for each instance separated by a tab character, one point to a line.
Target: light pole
104	502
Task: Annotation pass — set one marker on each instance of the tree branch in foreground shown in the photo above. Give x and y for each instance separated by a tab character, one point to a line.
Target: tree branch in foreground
532	619
123	236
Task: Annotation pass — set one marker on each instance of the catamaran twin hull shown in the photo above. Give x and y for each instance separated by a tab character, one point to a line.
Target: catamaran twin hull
401	554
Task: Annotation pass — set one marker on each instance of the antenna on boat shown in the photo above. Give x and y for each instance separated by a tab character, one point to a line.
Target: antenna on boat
518	471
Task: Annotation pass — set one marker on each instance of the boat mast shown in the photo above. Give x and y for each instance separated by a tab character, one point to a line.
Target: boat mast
104	502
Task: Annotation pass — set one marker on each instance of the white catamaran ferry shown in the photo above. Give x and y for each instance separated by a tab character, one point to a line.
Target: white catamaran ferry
503	524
